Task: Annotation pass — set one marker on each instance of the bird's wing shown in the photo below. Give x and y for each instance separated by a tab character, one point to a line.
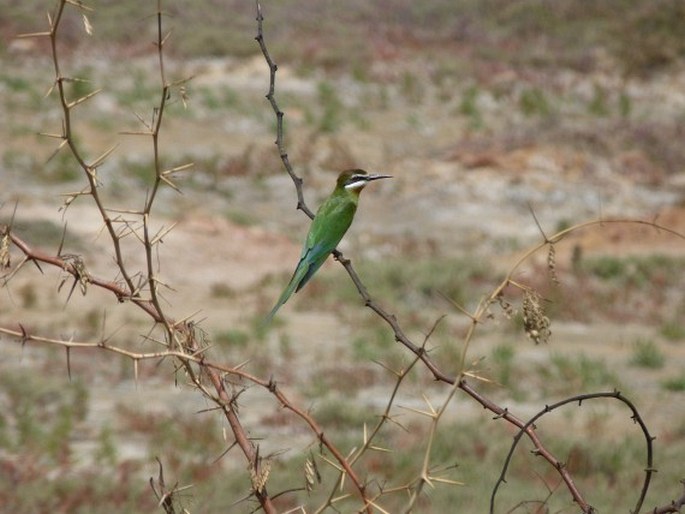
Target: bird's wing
311	261
328	228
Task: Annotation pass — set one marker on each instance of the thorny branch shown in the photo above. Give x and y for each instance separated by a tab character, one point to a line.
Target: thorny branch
459	380
271	96
180	336
68	139
635	416
673	507
194	355
175	332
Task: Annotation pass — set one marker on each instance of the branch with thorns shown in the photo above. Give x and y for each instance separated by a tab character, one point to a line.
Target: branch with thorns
536	323
635	416
189	353
180	339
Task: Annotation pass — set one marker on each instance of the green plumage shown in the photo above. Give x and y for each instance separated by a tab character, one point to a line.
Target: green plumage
331	222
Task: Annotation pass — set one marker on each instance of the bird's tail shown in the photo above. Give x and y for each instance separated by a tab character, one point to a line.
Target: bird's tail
287	292
269	317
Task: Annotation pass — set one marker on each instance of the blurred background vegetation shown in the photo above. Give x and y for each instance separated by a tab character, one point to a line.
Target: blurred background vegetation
643	36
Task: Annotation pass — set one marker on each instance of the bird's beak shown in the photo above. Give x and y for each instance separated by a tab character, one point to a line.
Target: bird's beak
377	177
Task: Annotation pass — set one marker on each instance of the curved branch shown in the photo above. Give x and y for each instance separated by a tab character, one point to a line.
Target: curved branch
564	233
649	469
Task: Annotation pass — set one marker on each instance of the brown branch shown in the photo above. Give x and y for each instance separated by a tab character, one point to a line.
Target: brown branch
196	357
529	430
273	68
155	133
214	371
635	416
151	306
90	171
241	437
476	318
673	507
122	294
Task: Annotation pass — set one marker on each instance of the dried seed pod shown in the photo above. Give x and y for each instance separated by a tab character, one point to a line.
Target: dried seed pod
308	476
259	477
311	473
81	275
78	271
506	307
535	322
552	263
4	247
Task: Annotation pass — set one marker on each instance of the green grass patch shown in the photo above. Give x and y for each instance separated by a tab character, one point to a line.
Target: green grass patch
673	330
636	270
574	374
372	345
646	354
340	414
418	282
48	234
412	88
468	106
533	102
675	383
648	37
39	415
331	116
234	338
503	361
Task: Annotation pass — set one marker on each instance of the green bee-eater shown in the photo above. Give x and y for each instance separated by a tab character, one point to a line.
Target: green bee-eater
331	222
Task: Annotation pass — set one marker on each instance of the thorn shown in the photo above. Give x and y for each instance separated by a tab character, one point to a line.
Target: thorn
68	349
33	34
56	151
164	40
24	335
83	98
502	414
38	266
161	473
537	222
104	156
61	243
458	307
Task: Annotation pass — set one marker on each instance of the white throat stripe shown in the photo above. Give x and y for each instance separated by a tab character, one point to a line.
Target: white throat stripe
357	184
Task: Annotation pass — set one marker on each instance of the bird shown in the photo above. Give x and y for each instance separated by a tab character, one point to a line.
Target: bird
330	223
